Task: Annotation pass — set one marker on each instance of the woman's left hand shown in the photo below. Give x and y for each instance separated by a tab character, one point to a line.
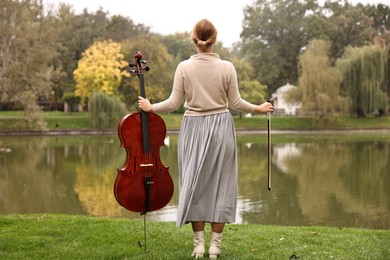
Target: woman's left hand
144	104
264	108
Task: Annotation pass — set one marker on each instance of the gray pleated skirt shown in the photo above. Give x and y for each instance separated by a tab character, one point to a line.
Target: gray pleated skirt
208	171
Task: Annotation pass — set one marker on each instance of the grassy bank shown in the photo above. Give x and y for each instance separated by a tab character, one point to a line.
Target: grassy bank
79	237
62	120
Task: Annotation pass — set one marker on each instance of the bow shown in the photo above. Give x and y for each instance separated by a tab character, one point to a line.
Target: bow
269	148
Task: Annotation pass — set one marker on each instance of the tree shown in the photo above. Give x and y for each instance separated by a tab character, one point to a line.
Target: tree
273	35
26	52
158	81
364	71
253	91
106	111
179	45
380	17
381	24
78	32
120	28
100	70
319	83
347	25
250	89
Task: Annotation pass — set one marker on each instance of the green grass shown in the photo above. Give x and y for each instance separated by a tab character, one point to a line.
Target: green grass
309	123
67	120
80	237
61	120
72	120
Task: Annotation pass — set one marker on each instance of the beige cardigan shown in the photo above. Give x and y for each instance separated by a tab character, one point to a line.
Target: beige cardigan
209	85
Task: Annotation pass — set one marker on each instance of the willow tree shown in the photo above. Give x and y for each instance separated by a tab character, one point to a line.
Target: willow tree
364	74
106	111
319	83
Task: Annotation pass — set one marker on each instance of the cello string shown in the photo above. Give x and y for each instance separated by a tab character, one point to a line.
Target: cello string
147	144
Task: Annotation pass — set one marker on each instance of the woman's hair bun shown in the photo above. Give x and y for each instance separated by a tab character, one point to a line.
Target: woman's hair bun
204	34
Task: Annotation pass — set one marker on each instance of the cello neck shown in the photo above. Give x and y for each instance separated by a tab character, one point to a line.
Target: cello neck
139	63
144	118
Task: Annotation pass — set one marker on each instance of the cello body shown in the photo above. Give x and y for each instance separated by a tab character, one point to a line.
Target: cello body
143	184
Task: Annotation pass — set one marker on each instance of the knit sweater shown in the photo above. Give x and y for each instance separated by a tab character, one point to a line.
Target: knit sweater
209	85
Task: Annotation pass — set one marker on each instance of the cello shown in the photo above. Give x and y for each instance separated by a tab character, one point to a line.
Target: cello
143	184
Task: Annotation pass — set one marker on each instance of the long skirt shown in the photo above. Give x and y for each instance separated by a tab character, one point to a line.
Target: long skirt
207	157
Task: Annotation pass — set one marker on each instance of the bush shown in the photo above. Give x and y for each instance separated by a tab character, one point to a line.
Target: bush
71	98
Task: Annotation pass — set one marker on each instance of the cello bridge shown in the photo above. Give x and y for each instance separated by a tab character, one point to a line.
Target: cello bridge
146	165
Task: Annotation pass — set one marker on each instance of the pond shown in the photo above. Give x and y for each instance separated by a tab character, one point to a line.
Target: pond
340	180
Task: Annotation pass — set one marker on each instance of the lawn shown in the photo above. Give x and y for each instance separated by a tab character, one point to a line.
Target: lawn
14	120
81	237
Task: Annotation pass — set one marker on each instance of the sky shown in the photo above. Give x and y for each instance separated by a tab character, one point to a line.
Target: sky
171	16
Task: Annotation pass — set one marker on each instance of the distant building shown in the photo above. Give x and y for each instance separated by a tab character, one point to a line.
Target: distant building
281	106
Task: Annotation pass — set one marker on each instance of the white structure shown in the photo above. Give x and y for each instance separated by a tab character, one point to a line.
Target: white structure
281	106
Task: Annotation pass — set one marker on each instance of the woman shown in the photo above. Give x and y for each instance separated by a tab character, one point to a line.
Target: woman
207	141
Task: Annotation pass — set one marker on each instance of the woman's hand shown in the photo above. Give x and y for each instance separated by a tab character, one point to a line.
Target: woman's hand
264	108
144	104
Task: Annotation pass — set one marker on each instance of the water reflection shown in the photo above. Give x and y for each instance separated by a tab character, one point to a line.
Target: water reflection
328	180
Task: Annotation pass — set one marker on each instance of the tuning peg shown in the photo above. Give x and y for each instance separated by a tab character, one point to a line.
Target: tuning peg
138	55
132	65
147	68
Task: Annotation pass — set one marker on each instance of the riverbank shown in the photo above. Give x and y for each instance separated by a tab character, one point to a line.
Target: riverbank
61	123
87	131
80	237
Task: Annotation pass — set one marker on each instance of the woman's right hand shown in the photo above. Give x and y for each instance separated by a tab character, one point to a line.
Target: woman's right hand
144	104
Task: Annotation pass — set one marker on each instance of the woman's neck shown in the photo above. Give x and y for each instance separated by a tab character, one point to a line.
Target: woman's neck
208	50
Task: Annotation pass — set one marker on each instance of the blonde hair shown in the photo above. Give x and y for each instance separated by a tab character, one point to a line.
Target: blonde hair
204	34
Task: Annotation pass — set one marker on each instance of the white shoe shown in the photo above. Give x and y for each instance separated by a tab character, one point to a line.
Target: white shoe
198	244
215	245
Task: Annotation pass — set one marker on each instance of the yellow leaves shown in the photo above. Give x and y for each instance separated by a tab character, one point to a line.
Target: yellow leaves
100	69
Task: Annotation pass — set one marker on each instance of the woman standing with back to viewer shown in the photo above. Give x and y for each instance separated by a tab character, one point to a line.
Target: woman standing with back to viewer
207	154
